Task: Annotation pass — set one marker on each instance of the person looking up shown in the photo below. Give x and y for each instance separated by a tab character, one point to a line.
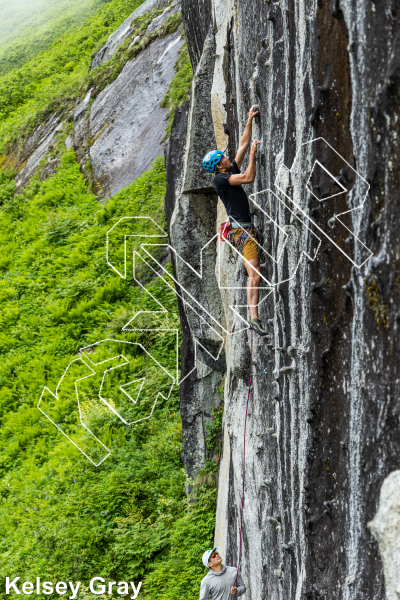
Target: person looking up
219	583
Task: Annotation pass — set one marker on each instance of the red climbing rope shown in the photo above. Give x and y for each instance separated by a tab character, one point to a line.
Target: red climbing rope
244	456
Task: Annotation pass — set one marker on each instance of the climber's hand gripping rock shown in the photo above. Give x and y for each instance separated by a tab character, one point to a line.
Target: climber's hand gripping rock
254	146
253	111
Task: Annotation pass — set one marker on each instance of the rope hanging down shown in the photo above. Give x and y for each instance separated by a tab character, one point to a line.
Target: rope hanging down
244	456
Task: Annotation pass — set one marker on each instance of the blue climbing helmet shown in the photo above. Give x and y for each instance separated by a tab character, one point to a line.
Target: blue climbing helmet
211	160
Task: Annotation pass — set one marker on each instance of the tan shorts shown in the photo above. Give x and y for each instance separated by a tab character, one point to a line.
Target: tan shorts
250	248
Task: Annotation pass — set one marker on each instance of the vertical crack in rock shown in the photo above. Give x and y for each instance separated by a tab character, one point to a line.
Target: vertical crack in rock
191	216
328	497
197	20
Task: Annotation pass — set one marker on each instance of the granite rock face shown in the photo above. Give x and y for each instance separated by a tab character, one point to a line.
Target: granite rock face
323	424
26	158
385	528
158	21
123	32
119	131
200	126
127	123
81	107
202	353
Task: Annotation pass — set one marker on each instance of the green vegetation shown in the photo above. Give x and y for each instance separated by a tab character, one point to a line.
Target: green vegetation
52	80
7	186
376	303
209	473
55	78
29	27
213	441
63	518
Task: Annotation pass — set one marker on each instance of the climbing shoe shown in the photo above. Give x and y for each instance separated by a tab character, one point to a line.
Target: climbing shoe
255	325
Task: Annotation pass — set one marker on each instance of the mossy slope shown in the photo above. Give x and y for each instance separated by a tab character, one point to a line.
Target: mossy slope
63	518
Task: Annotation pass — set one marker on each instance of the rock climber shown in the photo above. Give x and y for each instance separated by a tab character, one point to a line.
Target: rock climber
219	583
227	183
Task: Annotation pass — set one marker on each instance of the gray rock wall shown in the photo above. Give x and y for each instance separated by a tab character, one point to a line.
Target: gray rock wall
191	216
385	527
127	123
123	32
323	424
26	157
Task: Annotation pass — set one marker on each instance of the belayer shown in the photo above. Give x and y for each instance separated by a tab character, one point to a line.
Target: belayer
227	183
220	582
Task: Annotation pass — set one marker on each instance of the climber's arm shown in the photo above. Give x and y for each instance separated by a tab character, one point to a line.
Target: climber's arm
246	137
241	588
249	175
204	591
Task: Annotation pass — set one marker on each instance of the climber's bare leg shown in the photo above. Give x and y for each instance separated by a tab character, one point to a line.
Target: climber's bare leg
253	271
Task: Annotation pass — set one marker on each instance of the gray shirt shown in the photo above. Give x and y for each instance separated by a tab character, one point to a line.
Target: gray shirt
217	586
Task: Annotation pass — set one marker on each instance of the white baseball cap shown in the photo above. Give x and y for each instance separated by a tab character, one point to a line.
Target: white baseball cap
206	556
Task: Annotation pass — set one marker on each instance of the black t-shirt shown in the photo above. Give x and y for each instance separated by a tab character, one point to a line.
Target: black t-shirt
233	197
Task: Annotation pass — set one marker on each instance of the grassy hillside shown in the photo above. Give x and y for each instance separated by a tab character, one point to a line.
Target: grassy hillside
62	518
55	78
56	74
28	26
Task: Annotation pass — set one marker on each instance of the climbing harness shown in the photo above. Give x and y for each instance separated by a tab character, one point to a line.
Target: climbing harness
249	232
244	456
